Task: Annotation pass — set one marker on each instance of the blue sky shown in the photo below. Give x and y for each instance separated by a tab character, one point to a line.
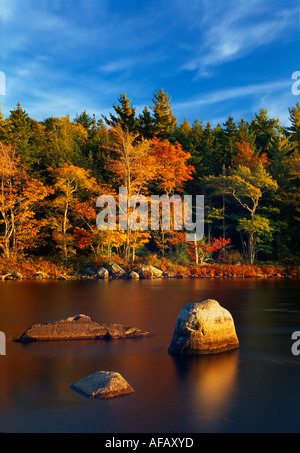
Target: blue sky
214	58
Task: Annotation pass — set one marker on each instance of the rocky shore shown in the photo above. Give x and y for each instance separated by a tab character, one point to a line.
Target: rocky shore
115	272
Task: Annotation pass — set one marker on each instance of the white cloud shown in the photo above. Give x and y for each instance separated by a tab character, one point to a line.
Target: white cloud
234	93
233	32
7	8
240	102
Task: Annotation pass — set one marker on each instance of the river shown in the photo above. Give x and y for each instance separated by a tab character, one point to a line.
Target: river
254	388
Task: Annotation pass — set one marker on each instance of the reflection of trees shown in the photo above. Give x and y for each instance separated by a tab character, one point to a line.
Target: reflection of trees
208	383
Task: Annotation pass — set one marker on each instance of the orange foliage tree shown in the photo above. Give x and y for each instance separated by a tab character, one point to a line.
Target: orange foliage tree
69	180
202	251
20	197
247	157
172	172
134	166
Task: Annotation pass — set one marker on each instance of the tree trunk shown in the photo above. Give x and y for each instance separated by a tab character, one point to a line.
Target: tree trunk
64	231
251	248
196	252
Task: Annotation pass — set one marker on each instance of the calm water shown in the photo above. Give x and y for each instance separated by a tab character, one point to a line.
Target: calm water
253	389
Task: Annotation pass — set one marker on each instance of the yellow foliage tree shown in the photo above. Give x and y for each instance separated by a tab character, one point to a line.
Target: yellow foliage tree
20	197
69	179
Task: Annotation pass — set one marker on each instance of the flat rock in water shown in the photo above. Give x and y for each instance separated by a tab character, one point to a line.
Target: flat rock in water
203	328
79	327
102	385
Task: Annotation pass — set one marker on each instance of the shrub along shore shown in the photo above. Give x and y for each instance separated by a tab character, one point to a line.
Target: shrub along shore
40	269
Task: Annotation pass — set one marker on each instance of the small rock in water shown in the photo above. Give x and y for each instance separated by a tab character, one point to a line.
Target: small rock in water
102	385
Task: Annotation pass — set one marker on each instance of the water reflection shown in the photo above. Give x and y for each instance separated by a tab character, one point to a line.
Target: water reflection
194	394
209	383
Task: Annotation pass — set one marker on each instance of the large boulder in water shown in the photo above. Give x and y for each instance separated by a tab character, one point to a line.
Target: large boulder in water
203	328
79	327
103	385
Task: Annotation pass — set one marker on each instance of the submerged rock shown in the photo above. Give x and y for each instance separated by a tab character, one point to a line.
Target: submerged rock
203	328
79	327
102	385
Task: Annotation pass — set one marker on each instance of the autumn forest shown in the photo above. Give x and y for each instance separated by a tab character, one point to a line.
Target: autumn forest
53	171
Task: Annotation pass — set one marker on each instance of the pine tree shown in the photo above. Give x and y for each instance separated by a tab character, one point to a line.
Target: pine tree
264	128
183	135
227	139
244	134
18	133
125	115
85	120
294	130
145	124
164	119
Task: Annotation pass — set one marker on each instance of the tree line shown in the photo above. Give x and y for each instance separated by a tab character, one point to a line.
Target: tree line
53	171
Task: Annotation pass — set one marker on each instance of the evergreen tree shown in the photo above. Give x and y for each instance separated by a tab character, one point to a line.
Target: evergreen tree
163	117
210	150
244	133
264	128
282	208
183	135
294	129
227	139
85	120
145	125
124	115
18	133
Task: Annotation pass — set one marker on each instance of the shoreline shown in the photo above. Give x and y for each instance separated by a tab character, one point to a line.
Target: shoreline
15	277
111	270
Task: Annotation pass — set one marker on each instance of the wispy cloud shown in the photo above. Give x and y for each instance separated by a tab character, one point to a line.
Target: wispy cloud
64	57
230	33
241	101
234	93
